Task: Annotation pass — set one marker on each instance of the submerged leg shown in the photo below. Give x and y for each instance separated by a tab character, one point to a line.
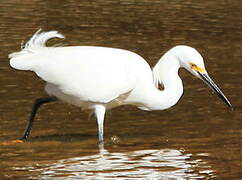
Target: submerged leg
36	105
100	114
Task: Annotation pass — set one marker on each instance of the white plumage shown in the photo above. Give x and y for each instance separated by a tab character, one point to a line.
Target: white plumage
100	78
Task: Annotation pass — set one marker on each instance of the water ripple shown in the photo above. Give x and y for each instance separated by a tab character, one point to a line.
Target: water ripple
142	164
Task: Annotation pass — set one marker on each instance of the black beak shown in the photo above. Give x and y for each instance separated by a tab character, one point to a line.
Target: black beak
205	77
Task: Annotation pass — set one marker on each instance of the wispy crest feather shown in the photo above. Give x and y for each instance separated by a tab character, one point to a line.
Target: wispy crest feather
38	40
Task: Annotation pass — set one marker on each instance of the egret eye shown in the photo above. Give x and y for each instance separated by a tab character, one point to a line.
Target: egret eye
193	66
197	68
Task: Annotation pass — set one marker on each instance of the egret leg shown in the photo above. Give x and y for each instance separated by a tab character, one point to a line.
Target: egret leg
100	114
37	103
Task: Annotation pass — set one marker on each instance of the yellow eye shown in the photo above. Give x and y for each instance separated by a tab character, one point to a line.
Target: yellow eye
196	68
193	66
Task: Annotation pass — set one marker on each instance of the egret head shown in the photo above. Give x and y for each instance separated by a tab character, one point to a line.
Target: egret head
192	60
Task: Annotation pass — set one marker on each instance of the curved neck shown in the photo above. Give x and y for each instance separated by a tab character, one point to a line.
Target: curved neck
165	72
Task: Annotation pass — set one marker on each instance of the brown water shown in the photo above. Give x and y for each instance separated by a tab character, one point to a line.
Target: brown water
199	138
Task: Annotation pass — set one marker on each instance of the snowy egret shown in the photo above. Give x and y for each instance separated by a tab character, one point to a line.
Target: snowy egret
100	78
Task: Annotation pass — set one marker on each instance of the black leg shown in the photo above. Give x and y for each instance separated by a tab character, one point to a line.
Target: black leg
36	105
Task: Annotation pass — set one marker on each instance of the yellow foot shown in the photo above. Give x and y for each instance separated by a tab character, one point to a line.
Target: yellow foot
12	142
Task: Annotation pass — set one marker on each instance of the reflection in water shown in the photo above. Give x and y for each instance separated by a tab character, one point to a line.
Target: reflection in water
158	164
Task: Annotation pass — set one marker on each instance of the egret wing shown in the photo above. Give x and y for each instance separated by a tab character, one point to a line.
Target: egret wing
88	73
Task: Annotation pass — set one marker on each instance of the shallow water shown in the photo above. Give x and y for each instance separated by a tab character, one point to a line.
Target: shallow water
199	138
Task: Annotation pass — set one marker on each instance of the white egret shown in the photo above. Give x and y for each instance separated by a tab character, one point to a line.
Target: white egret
100	78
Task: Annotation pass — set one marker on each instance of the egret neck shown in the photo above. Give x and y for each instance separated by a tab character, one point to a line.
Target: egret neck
165	73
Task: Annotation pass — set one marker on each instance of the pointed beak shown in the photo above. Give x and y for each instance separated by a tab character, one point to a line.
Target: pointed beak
205	77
